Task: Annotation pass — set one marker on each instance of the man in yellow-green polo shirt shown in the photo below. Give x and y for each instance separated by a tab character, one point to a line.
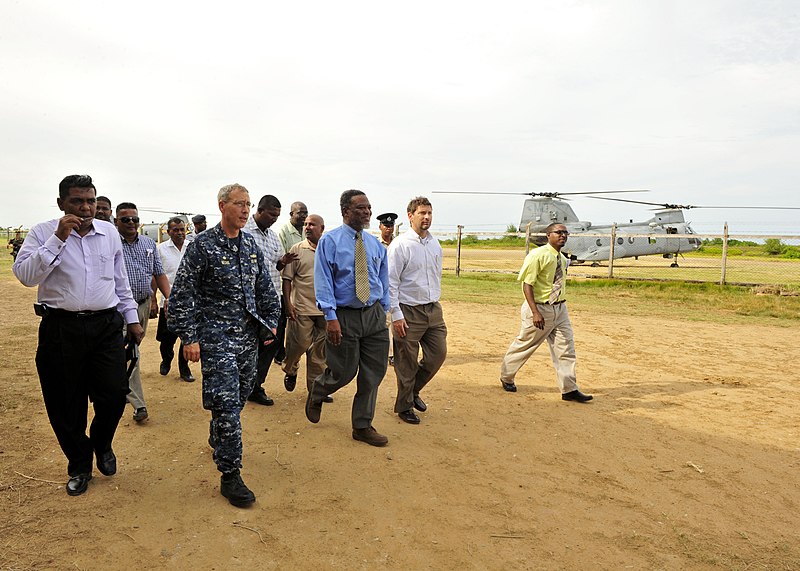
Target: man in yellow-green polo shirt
544	316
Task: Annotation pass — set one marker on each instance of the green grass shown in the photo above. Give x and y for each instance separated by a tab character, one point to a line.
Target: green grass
711	248
470	241
691	301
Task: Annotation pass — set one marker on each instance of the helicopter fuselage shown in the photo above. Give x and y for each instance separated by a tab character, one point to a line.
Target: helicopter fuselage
585	244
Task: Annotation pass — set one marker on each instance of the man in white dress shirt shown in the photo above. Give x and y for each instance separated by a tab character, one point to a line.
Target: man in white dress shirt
415	285
78	264
171	253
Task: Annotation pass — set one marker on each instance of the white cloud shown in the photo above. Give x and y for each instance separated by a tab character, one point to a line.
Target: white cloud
164	102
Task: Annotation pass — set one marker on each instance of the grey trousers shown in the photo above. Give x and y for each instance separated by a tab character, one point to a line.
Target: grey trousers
426	329
136	396
558	333
364	351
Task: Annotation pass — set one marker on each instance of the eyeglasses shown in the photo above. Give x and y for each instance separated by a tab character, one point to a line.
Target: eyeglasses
560	232
127	219
243	204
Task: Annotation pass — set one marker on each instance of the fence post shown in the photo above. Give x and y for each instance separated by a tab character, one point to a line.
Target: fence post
724	254
528	238
611	250
458	251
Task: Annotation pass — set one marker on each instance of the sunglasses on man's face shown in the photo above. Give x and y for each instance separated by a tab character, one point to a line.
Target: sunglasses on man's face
128	219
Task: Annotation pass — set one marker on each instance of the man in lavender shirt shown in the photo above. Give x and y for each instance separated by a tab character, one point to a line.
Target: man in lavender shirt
78	264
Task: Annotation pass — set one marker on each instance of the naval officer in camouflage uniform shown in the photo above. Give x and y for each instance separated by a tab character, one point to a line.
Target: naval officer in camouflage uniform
222	303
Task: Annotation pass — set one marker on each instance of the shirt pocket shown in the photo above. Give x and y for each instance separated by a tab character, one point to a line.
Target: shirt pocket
103	266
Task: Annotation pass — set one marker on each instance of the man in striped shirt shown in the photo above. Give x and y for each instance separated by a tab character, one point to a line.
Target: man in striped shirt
259	227
144	268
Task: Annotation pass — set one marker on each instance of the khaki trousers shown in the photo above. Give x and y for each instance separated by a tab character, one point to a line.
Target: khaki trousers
558	333
136	396
306	335
426	329
391	333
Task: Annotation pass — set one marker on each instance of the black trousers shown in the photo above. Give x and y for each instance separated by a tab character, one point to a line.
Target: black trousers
82	358
267	353
167	340
280	354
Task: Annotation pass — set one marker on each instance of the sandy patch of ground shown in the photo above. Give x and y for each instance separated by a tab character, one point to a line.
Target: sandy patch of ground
687	459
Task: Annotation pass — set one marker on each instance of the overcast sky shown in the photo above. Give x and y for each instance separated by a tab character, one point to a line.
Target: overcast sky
164	102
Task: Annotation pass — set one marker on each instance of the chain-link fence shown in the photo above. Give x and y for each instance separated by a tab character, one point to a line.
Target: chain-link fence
718	258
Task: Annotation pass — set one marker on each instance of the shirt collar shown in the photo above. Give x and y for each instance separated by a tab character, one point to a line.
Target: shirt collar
98	228
413	234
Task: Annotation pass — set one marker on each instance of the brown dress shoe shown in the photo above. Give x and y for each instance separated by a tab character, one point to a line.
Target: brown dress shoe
313	409
370	436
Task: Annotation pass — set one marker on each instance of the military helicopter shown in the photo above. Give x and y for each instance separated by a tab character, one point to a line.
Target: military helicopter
667	233
157	231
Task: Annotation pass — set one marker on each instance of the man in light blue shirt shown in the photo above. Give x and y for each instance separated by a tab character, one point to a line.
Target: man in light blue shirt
351	282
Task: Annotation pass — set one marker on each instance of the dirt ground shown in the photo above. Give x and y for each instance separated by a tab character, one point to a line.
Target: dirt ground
688	458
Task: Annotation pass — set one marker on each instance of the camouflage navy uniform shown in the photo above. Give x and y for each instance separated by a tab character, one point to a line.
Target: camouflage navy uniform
16	245
221	297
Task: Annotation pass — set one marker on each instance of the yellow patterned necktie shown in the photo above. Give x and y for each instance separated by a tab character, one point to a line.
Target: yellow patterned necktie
362	275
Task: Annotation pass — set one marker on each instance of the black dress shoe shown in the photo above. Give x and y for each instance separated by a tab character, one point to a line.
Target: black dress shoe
164	368
78	484
107	463
188	377
140	415
576	396
260	397
328	399
510	387
289	382
409	416
419	404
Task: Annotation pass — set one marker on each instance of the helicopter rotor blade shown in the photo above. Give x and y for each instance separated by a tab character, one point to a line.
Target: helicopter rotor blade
476	192
690	206
177	213
543	194
751	207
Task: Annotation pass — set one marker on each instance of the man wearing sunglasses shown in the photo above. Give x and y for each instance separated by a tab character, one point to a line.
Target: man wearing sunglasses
544	316
144	269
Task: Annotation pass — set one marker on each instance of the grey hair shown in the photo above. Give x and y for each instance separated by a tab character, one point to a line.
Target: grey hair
224	193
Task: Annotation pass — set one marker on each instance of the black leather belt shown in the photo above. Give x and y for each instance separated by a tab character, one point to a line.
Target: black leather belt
366	307
556	303
79	314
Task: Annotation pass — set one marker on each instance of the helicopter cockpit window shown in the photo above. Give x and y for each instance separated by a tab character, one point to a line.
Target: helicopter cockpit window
651	240
672	230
